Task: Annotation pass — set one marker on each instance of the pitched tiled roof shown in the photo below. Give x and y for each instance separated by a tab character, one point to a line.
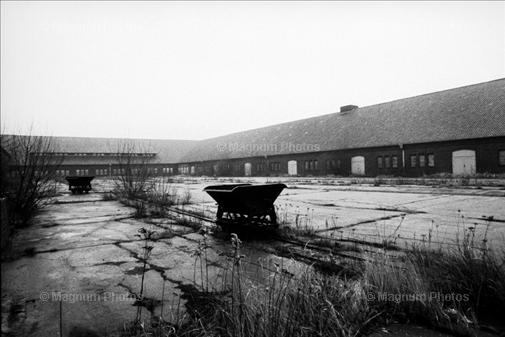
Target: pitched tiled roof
167	151
474	111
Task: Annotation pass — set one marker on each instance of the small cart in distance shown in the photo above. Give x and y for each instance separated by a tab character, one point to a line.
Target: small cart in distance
246	203
78	184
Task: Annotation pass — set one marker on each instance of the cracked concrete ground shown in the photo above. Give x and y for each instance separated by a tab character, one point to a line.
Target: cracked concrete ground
407	214
87	252
84	246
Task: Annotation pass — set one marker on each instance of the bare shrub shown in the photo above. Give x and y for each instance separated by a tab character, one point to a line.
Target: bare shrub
162	194
31	175
134	174
185	199
108	196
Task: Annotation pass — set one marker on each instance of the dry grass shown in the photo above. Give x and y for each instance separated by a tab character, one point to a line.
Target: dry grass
455	290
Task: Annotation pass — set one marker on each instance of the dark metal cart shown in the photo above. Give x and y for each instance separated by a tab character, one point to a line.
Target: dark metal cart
246	203
78	184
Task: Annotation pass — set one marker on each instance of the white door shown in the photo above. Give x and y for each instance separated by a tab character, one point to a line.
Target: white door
358	165
463	162
292	168
247	169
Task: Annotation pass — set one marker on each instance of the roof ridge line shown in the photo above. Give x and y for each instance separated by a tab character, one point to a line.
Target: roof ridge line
362	107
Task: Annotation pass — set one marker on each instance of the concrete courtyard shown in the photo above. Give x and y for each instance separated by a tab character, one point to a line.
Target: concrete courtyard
82	259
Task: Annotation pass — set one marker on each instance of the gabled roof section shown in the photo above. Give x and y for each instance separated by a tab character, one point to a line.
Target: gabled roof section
164	151
475	111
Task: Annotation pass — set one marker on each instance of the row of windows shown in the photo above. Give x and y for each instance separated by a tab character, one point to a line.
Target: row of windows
310	165
63	173
186	169
422	160
275	166
416	160
385	162
168	170
101	172
96	154
333	164
83	172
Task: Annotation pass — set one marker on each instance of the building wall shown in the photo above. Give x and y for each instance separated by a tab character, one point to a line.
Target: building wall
112	169
339	162
329	162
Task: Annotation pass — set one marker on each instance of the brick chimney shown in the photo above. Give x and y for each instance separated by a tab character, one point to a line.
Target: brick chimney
347	108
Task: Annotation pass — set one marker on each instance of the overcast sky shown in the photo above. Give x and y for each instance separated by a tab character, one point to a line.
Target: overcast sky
194	70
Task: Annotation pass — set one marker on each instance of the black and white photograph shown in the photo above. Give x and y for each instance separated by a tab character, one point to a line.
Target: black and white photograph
252	168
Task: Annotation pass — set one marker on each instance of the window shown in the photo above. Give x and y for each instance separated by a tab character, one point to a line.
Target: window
431	160
276	166
413	160
338	163
501	157
394	161
379	162
387	162
422	160
330	164
311	165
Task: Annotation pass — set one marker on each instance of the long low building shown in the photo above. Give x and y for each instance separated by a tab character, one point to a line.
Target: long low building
459	131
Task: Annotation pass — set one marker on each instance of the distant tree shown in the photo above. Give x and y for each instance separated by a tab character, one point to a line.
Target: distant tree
29	176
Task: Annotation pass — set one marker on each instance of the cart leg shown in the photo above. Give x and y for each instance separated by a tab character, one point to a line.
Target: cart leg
273	217
219	214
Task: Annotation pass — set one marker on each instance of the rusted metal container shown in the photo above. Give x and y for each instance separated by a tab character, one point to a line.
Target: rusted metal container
246	203
79	184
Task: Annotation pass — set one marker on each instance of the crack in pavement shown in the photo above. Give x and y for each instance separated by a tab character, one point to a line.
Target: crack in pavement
403	210
389	217
426	199
53	250
59	221
63	202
